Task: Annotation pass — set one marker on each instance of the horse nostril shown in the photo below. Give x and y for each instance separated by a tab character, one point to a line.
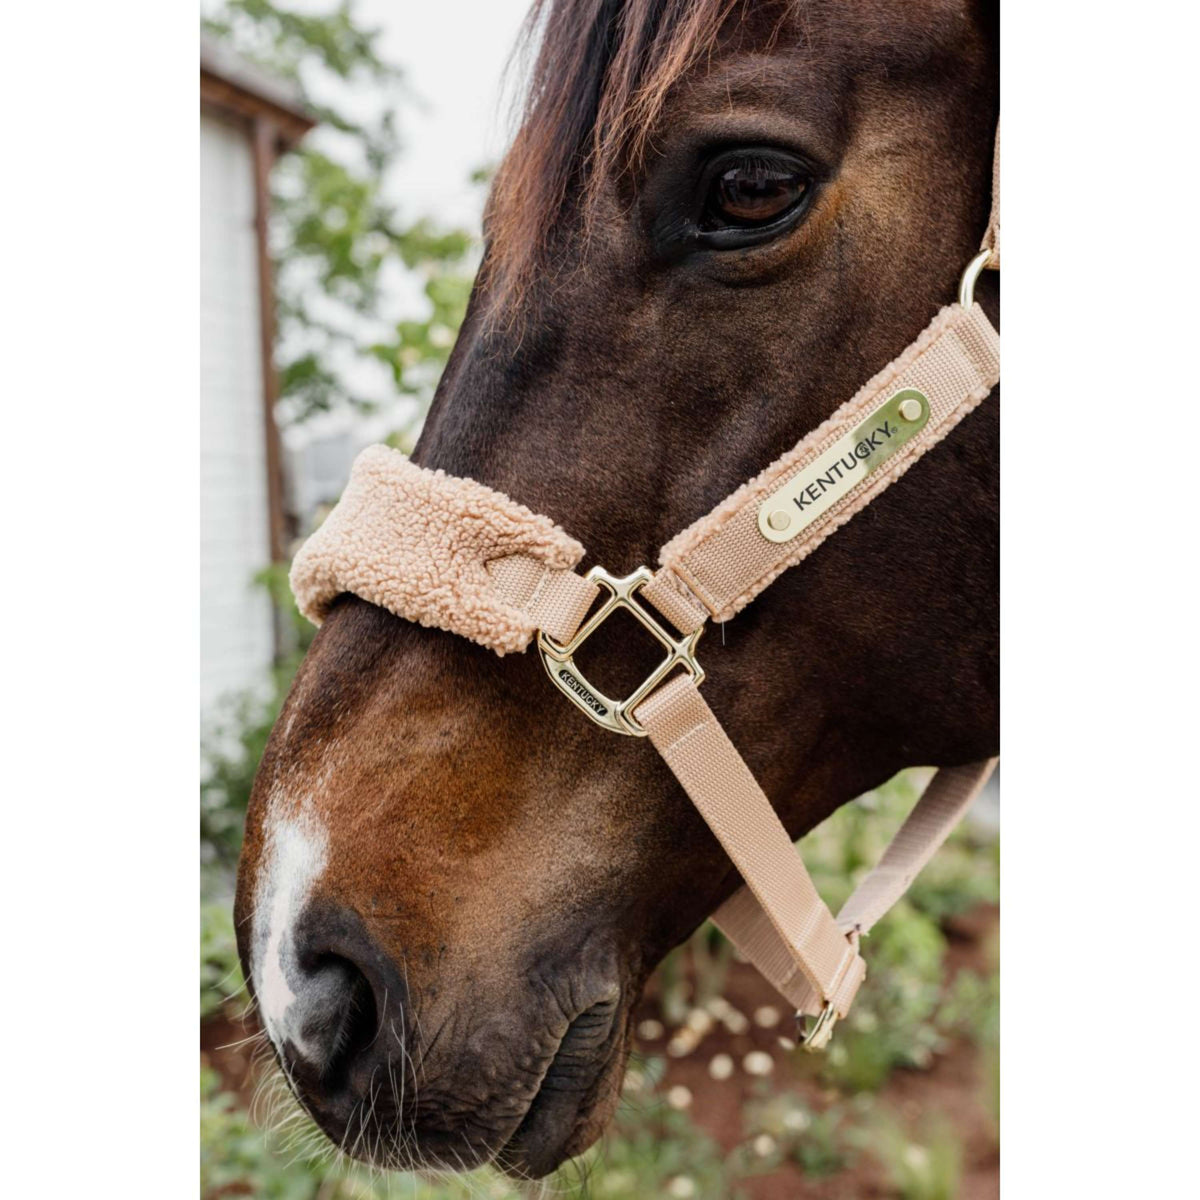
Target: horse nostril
340	988
338	1019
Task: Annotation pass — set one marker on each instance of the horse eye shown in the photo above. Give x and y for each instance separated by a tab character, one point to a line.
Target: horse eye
753	192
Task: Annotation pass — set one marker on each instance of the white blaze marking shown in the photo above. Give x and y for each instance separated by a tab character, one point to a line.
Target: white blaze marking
296	857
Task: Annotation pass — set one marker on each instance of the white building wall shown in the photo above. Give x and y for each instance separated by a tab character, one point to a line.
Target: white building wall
236	640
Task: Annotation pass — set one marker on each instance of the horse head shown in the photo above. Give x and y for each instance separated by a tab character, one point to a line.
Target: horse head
716	222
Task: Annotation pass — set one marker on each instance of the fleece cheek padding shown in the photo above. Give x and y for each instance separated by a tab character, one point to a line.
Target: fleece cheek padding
444	552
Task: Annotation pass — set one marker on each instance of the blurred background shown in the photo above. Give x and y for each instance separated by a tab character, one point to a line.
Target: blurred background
344	157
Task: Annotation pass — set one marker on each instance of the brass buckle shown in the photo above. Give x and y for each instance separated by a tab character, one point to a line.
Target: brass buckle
559	661
817	1035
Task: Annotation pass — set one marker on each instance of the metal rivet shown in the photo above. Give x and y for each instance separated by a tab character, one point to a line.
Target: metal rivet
779	519
911	408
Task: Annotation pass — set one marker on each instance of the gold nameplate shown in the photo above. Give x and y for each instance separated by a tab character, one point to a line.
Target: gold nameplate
854	456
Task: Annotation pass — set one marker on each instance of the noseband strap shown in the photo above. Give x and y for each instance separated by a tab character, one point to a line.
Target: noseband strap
443	552
456	555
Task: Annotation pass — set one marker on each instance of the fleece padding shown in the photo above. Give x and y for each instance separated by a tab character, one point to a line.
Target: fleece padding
444	552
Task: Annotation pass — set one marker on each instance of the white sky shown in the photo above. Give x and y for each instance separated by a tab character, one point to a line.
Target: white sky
453	54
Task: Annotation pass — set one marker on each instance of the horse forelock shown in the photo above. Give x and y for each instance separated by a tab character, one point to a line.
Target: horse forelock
602	71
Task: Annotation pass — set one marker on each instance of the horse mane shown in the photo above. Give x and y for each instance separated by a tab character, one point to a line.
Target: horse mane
602	71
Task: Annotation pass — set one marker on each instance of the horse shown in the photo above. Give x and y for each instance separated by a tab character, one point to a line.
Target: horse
717	219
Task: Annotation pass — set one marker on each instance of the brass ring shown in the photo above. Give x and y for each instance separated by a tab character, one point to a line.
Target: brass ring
966	285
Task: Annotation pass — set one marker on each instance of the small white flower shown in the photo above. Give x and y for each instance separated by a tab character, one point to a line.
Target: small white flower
682	1187
735	1022
650	1030
916	1157
758	1062
766	1017
698	1021
764	1145
684	1041
796	1120
721	1066
679	1097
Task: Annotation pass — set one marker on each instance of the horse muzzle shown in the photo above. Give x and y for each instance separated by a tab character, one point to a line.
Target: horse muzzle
411	1069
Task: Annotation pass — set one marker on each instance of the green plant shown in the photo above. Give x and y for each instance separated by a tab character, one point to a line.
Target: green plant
230	752
334	233
926	1166
220	972
232	746
817	1139
892	1022
708	954
895	1019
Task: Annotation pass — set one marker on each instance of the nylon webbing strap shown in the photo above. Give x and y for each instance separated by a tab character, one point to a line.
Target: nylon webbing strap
554	601
942	805
718	565
991	239
698	751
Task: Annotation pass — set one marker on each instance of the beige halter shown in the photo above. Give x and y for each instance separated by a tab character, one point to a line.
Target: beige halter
453	554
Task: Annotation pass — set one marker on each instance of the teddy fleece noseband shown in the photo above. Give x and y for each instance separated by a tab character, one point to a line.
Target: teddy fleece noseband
455	555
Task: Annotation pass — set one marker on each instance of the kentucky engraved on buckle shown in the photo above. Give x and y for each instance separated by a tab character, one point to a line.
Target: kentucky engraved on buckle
559	661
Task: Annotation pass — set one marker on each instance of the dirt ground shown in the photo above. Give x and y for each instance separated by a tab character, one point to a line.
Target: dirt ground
951	1089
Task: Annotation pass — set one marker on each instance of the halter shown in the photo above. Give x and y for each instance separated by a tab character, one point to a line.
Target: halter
450	553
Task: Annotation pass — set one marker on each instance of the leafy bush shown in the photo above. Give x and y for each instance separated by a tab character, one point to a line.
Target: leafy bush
335	235
895	1020
892	1022
818	1139
220	972
927	1166
233	745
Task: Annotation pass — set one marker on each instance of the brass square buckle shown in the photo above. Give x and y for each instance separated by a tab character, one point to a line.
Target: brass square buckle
558	659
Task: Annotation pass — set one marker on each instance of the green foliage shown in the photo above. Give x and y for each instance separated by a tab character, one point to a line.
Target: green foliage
892	1022
651	1150
334	232
927	1166
818	1139
233	745
896	1020
220	971
708	953
230	753
238	1158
